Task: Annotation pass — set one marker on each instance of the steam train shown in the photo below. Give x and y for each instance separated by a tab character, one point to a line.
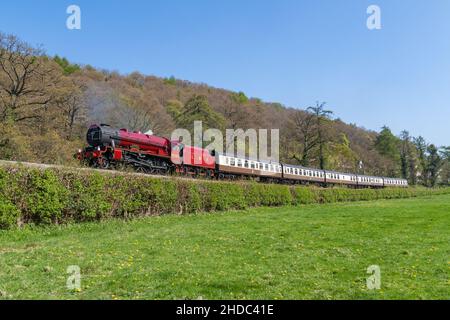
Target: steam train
111	148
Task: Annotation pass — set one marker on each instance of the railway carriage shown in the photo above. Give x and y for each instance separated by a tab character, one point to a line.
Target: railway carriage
334	177
392	182
370	181
303	174
231	166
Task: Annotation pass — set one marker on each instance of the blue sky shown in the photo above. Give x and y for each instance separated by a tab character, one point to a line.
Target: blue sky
290	51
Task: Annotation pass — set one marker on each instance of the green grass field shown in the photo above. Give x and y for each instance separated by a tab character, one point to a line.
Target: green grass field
307	252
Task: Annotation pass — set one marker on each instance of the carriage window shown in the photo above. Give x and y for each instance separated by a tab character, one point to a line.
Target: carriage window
239	163
246	164
227	160
252	165
232	162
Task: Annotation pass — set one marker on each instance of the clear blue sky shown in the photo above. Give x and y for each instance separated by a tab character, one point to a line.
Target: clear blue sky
289	51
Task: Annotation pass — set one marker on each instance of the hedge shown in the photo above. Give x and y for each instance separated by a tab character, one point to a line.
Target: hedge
57	196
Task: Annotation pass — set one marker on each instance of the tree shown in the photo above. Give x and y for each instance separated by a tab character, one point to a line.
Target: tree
306	132
135	111
421	150
408	158
434	164
322	117
27	80
342	157
174	108
197	108
73	110
387	144
445	175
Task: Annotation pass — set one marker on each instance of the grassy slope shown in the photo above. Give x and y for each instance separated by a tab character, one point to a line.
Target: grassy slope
278	253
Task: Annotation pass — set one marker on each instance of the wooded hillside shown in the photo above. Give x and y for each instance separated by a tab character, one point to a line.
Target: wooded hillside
47	103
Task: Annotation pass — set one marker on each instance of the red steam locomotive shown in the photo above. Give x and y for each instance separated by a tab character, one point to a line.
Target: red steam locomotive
110	148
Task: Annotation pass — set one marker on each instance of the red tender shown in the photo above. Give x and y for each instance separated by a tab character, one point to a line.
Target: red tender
198	157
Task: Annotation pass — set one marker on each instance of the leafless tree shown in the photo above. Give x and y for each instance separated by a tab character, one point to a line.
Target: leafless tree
306	132
27	80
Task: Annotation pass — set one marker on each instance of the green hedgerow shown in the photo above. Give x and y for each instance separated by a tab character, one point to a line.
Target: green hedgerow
65	196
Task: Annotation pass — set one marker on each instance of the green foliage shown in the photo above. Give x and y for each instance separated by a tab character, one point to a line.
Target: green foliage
174	108
222	196
67	67
46	197
434	165
340	154
198	109
387	144
239	97
8	214
88	199
31	196
170	81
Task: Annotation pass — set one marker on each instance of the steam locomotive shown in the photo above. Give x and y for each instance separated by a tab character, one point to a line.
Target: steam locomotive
111	148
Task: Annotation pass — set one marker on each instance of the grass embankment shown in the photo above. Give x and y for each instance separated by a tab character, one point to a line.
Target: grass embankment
60	196
304	252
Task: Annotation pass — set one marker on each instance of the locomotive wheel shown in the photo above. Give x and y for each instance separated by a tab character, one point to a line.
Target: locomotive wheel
103	163
142	170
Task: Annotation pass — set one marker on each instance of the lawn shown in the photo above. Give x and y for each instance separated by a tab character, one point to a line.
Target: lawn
306	252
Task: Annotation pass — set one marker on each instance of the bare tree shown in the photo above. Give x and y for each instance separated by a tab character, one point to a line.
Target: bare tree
139	114
27	80
306	132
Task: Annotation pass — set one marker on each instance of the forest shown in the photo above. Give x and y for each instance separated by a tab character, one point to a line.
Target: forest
47	104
